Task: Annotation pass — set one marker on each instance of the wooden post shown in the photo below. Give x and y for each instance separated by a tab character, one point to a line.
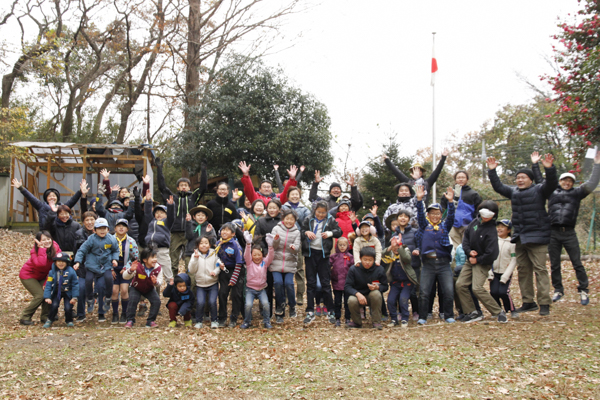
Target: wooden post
84	160
48	173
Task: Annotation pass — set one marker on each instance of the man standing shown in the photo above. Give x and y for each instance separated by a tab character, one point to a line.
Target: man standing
531	230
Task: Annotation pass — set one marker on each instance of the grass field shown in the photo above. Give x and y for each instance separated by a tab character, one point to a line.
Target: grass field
555	357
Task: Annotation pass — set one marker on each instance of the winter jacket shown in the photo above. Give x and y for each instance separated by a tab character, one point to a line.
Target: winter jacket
460	258
223	211
201	267
266	225
64	233
70	282
42	207
403	204
427	234
329	225
39	264
358	278
345	223
563	205
184	201
531	223
360	242
426	182
130	253
302	212
408	238
177	297
80	237
159	232
191	234
285	259
356	198
135	224
230	253
340	265
465	206
252	195
256	274
113	215
483	238
98	253
141	279
378	227
506	262
401	260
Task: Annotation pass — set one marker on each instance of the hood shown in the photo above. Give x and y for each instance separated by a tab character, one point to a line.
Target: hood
186	279
51	190
117	203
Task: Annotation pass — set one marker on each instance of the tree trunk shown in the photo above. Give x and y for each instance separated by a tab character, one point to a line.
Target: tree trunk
67	123
192	80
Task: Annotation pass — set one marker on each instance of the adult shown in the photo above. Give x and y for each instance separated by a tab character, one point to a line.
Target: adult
466	202
265	192
563	207
33	275
63	228
417	173
281	185
531	230
335	192
223	209
406	201
51	199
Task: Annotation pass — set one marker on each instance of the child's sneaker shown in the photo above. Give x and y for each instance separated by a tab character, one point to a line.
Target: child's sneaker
415	316
47	324
338	323
187	324
450	320
245	325
129	324
90	306
80	319
310	317
421	322
585	299
70	324
502	317
279	319
429	316
324	311
268	325
213	325
318	311
115	319
557	296
353	325
101	318
107	301
293	313
151	324
404	324
172	324
123	319
332	318
392	324
232	324
198	325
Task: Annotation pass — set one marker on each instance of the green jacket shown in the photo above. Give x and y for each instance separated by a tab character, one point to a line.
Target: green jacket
404	255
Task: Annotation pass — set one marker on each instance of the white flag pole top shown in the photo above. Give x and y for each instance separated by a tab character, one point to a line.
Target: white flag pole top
434	68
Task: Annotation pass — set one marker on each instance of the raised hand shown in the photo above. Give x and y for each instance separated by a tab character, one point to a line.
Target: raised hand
318	176
275	167
373	209
234	195
420	192
146	179
449	194
148	196
170	200
245	168
548	160
351	181
115	188
492	163
135	191
597	158
188	217
535	157
302	168
196	253
83	186
101	189
17	183
384	157
292	172
105	173
445	152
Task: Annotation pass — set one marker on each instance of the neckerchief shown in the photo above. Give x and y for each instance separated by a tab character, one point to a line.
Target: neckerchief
120	243
198	229
221	243
294	205
436	227
317	225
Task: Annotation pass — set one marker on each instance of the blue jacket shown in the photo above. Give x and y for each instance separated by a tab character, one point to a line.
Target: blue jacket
159	232
70	282
231	254
444	225
98	253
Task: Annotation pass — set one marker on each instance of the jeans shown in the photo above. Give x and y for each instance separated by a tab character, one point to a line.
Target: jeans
399	293
340	295
568	239
134	298
437	268
202	294
501	291
66	297
316	264
103	283
261	295
81	298
284	283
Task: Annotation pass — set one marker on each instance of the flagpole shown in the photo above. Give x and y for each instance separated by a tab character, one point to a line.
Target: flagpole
433	164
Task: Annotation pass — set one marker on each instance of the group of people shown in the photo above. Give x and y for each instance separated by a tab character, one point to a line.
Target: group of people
274	249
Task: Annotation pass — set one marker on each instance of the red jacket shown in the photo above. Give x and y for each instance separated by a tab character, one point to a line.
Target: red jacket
141	281
252	195
345	223
39	265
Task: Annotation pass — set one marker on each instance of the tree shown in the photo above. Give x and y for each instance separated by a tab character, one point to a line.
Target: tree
250	112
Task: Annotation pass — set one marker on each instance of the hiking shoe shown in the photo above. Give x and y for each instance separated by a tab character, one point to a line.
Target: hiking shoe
585	299
187	323
90	306
557	296
198	325
332	317
107	301
293	313
404	324
245	325
318	311
472	317
213	325
338	323
353	325
527	307
141	310
267	325
450	320
151	324
129	324
393	324
172	324
222	324
123	319
232	324
441	315
377	326
115	319
544	309
460	317
514	315
101	318
279	319
47	324
429	316
26	322
421	322
502	317
415	316
310	317
70	324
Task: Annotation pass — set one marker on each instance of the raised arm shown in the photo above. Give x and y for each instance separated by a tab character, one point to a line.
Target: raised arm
170	212
551	182
431	179
535	167
36	203
313	196
498	186
278	178
590	185
247	182
160	177
397	173
291	182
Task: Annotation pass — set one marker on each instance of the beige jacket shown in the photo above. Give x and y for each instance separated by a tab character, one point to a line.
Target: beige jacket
360	242
506	262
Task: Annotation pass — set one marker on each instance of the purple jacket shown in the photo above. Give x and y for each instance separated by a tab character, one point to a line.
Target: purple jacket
340	264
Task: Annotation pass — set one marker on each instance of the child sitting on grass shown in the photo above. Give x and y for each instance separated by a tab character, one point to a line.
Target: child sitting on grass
144	277
62	283
181	299
257	267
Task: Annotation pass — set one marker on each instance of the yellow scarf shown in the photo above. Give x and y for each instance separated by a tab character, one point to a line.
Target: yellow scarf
221	243
436	227
120	247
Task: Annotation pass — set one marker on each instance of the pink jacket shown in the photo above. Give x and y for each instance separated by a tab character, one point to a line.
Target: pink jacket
256	274
39	265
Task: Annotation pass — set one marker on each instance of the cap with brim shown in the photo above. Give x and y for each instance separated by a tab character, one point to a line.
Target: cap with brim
434	206
122	221
505	222
368	223
418	165
346	202
389	220
204	209
567	175
101	223
62	257
159	207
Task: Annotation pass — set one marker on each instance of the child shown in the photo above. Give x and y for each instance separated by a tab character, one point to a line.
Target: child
34	272
365	285
62	283
372	217
266	225
197	225
340	262
501	273
367	237
406	201
286	245
181	299
251	220
101	254
480	244
144	277
128	252
115	210
204	267
231	277
460	258
402	279
89	219
160	220
345	219
257	278
318	233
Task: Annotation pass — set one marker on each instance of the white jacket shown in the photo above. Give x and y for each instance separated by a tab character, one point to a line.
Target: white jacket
507	260
201	267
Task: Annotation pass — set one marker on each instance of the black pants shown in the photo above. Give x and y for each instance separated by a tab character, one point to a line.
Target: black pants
339	297
501	291
568	239
236	292
134	299
56	303
316	264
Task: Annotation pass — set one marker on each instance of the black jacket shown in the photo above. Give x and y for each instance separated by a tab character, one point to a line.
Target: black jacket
531	223
358	277
159	232
63	234
263	226
330	225
483	238
191	236
356	198
176	296
80	237
223	211
428	182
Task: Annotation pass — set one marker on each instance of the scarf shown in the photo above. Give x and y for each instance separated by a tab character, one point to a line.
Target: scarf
221	243
198	229
317	224
436	227
294	205
120	245
403	199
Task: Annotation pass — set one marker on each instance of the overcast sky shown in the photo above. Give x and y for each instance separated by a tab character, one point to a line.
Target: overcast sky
370	64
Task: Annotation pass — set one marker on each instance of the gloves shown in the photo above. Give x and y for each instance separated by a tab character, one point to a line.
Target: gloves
101	189
269	239
247	236
136	191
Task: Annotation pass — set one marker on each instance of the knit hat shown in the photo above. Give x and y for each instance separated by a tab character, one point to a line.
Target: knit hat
410	189
527	172
115	202
204	209
567	175
346	202
101	223
122	221
62	257
334	184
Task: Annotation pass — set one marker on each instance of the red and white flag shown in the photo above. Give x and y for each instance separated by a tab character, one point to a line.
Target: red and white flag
434	66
